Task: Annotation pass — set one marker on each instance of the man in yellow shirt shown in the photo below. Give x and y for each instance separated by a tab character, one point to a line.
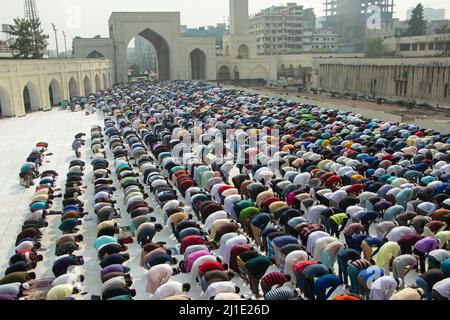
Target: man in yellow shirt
62	291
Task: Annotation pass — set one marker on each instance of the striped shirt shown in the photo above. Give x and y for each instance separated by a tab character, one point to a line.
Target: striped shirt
361	264
282	293
274	278
310	228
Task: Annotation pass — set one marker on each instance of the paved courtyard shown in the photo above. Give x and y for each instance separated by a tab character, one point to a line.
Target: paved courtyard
58	128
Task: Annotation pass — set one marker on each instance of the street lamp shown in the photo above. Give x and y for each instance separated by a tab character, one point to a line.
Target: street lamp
56	37
65	44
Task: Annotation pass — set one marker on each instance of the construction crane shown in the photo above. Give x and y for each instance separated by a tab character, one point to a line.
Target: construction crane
31	12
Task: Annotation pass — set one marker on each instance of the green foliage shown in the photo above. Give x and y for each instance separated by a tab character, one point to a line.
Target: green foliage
29	42
444	29
417	26
375	48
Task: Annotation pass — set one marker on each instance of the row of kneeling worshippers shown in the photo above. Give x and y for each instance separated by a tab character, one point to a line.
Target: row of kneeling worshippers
342	208
324	205
30	169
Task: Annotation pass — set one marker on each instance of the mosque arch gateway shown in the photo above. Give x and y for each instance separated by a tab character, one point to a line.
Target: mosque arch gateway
163	52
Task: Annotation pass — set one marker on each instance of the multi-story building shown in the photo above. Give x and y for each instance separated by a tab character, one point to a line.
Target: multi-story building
278	29
429	14
358	20
211	31
309	20
320	41
419	46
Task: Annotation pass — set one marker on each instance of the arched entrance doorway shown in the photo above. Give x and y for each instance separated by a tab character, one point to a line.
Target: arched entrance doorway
87	86
97	83
5	104
95	55
31	98
151	55
55	93
236	73
259	72
73	88
198	65
224	73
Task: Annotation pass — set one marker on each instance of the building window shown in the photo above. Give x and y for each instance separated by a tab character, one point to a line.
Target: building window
422	47
414	47
243	52
405	47
440	46
431	46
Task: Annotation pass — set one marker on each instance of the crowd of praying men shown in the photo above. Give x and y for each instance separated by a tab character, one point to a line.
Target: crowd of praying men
293	200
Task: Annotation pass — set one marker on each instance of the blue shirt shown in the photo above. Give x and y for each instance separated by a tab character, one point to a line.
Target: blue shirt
99	242
373	271
284	240
327	281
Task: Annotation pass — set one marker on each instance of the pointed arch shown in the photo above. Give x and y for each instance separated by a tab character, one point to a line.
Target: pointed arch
105	82
243	51
259	72
6	108
97	83
236	73
95	55
31	97
198	64
224	73
162	52
55	92
87	86
73	88
290	71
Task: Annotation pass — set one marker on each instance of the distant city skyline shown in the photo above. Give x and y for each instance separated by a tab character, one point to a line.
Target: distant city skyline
89	18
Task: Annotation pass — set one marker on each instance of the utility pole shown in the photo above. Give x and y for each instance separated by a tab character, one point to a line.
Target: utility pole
56	37
65	44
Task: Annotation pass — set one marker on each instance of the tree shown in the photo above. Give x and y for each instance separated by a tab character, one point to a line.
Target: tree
417	26
29	39
375	48
444	29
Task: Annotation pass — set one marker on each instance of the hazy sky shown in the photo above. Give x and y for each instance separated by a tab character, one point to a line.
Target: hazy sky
87	18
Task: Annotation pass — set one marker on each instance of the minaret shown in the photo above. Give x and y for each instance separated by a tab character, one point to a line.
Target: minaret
239	23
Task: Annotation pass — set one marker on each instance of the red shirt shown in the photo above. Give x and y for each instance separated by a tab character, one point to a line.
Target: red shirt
190	241
210	266
300	266
224	188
